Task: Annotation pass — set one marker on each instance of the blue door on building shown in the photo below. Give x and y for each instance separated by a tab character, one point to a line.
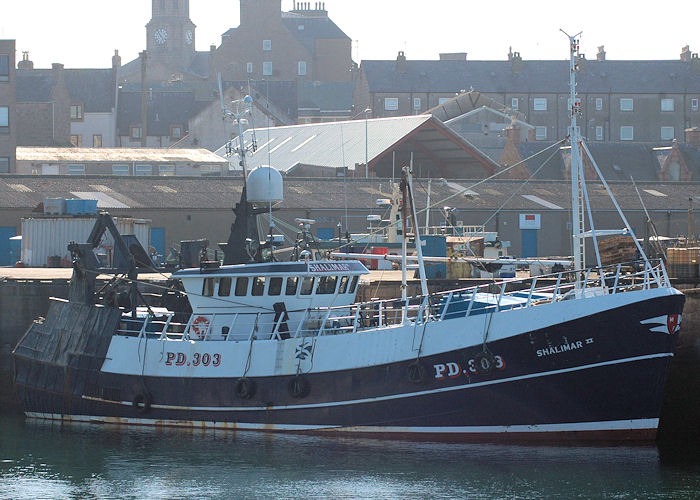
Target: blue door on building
529	243
158	242
5	234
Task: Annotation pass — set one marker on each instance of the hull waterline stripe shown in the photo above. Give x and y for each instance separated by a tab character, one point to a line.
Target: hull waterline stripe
612	425
391	396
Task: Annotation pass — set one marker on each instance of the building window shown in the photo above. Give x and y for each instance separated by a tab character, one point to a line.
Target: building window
175	132
514	103
599	133
166	170
626	133
76	141
143	170
249	67
210	170
4	68
667	105
539	104
443	100
416	103
391	103
76	169
540	133
4	120
120	169
135	133
626	104
694	104
4	165
97	141
667	133
76	112
267	68
599	104
302	68
267	45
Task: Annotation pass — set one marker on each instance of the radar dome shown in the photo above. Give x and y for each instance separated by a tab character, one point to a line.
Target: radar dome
264	185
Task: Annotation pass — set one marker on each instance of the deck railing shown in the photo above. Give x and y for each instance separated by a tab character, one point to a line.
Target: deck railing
483	299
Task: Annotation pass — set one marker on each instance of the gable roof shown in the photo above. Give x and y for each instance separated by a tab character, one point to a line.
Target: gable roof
307	29
34	85
93	87
347	143
535	76
163	110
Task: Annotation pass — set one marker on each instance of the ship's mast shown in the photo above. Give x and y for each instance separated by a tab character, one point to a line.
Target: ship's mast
577	195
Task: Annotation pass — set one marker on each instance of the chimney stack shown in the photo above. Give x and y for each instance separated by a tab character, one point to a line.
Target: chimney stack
401	65
25	63
685	53
516	63
600	56
116	60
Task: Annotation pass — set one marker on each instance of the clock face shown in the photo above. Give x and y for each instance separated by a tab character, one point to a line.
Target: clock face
161	36
189	37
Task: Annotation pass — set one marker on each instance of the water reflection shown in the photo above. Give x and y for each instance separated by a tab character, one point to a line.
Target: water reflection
51	460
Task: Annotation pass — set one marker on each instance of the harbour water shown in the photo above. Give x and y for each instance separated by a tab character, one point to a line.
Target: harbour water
49	460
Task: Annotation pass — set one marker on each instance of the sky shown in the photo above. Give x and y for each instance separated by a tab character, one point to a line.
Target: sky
85	33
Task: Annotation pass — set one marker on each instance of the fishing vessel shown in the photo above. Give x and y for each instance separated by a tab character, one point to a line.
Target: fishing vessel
284	346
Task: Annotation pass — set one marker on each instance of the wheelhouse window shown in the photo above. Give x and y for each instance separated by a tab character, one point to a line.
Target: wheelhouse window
353	284
343	284
326	284
291	288
225	287
307	286
208	287
241	287
258	285
275	287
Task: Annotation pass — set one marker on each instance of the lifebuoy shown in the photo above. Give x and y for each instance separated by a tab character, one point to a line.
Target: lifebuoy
245	388
199	326
416	372
299	387
142	403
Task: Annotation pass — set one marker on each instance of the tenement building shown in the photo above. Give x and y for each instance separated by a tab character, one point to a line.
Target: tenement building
8	129
636	101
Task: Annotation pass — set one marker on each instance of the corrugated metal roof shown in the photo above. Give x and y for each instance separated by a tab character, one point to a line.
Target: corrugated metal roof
346	143
334	144
221	193
49	155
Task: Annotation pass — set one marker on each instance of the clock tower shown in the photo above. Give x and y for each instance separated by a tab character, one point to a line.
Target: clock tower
170	33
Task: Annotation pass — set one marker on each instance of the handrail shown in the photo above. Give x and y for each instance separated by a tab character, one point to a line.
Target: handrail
422	308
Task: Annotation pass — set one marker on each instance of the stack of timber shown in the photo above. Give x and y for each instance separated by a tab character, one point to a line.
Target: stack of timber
617	250
683	263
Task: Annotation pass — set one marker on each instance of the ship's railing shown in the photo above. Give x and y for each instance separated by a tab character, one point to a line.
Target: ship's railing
455	230
376	314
